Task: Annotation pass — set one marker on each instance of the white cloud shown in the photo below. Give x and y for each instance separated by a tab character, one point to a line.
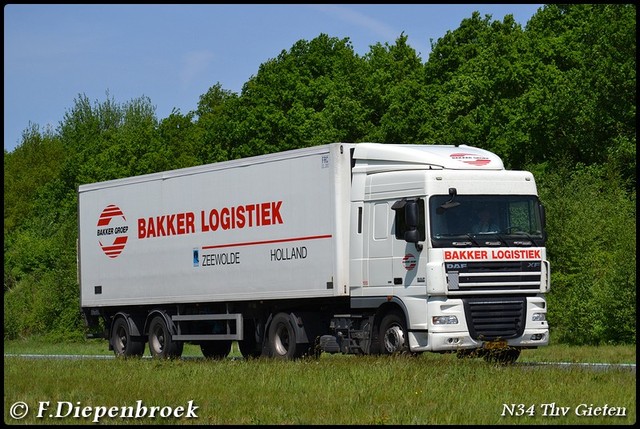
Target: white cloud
378	28
359	19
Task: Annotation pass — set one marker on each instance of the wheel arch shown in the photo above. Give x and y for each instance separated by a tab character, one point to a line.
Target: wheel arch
394	305
167	320
296	322
133	324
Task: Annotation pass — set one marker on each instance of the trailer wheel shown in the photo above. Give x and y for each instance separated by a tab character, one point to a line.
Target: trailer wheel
216	349
124	345
161	345
393	335
282	338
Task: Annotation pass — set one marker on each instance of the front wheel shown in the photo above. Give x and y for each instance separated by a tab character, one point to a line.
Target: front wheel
160	343
393	335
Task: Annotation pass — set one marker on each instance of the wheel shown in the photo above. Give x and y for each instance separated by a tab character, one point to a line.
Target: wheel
282	338
249	347
216	349
504	357
393	335
160	343
124	345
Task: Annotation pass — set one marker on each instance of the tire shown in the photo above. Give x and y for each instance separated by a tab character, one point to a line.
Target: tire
393	335
161	346
282	338
216	349
124	345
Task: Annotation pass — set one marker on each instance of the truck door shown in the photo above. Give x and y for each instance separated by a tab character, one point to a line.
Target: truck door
406	256
378	243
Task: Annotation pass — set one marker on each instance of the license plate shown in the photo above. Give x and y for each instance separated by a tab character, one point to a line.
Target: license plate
495	345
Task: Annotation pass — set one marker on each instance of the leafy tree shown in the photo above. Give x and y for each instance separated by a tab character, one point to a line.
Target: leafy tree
582	102
394	93
27	171
218	125
475	76
592	246
180	140
304	97
107	140
38	159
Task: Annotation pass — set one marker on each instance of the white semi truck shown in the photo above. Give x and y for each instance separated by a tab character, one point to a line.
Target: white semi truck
362	248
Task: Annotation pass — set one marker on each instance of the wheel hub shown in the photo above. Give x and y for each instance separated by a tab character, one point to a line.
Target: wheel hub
393	339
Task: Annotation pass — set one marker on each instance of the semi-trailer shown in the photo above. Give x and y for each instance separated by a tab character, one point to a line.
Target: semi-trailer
363	248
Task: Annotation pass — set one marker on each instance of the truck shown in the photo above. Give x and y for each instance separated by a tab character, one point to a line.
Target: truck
355	248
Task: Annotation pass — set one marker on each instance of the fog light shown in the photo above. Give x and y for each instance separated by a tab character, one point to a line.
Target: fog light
444	320
539	317
537	337
453	340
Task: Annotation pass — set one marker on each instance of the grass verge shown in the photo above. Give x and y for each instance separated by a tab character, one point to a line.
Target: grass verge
334	389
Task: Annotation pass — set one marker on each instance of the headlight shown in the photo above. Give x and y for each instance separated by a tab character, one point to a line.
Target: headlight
444	320
539	317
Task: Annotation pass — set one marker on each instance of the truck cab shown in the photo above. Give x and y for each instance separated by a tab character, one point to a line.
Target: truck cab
420	246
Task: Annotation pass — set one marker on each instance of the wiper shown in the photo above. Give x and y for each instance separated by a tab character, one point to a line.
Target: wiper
501	237
514	231
473	239
452	237
492	234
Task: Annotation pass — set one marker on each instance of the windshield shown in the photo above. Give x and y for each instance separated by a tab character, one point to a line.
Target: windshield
485	220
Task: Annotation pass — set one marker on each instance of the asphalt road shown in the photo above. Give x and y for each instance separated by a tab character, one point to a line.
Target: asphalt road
594	366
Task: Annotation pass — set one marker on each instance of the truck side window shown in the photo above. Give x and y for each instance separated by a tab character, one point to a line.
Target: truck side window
381	228
401	226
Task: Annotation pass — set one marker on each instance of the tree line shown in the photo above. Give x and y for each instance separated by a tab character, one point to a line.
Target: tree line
556	97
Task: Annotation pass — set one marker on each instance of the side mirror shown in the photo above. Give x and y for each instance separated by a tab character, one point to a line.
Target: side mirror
412	218
412	236
543	221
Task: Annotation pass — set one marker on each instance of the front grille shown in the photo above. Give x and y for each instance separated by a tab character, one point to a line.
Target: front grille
501	275
494	318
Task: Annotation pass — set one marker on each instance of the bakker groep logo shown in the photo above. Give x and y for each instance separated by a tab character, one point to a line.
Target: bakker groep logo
112	231
471	159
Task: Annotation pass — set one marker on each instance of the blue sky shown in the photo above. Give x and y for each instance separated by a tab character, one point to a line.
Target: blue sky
173	54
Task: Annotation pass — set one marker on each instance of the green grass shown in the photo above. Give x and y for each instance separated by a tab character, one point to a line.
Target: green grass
40	346
334	389
552	353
